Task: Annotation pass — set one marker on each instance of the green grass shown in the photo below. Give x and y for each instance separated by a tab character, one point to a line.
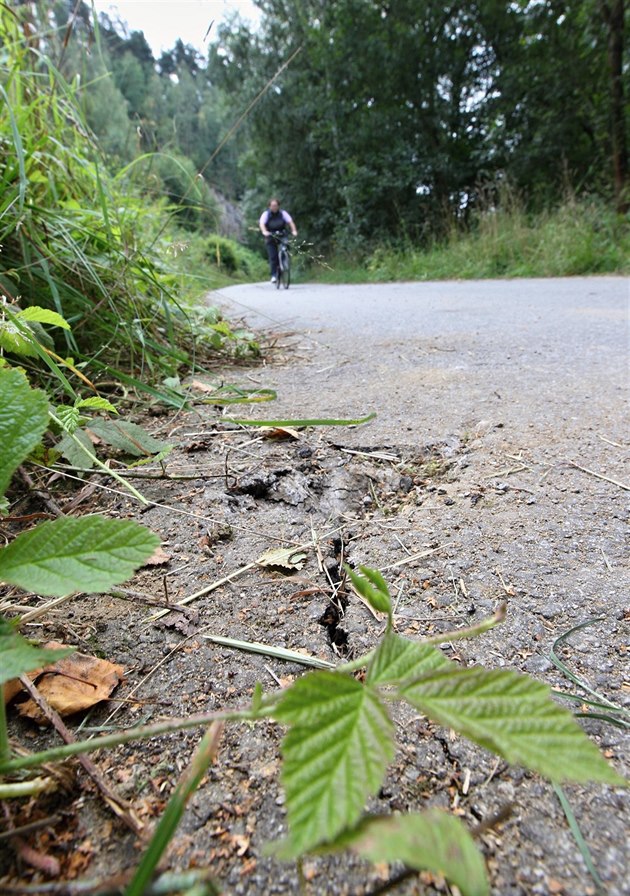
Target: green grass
577	238
91	245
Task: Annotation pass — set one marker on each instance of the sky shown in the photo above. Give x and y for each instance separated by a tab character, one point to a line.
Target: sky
163	21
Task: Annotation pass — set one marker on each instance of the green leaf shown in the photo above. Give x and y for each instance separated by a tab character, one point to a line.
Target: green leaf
43	316
14	341
373	587
127	437
96	403
428	841
335	755
69	417
19	655
74	454
514	716
397	659
66	555
23	421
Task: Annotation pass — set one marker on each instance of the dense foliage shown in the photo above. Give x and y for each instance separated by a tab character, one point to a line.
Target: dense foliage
392	116
97	244
390	120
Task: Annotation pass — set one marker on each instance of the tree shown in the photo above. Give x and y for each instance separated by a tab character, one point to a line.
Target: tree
392	115
613	15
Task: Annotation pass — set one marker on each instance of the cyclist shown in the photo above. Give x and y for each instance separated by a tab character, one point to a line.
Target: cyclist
273	223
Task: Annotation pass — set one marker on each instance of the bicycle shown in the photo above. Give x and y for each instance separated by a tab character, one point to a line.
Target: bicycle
284	260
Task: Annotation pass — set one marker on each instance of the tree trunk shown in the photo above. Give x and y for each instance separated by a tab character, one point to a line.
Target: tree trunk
613	15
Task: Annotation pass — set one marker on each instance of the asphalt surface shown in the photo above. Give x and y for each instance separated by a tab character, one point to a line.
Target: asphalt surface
542	354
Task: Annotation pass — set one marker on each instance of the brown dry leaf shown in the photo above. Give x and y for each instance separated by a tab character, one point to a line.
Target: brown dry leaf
280	432
79	859
241	842
202	387
74	683
14	687
158	557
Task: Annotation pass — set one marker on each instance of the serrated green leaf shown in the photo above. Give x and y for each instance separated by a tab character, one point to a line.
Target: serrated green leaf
66	555
74	454
127	437
23	421
428	841
14	341
373	587
18	655
69	417
514	716
335	755
43	316
397	659
96	403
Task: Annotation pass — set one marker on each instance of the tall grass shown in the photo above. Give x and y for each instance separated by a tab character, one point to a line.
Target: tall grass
83	243
576	238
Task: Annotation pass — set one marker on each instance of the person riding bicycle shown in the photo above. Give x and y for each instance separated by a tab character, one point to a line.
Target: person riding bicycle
273	225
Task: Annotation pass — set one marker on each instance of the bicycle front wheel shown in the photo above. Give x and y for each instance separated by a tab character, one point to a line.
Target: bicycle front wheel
285	270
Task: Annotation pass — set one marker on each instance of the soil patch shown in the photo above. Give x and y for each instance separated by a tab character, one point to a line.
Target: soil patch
477	516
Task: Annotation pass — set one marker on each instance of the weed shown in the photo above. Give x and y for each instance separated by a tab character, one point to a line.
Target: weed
341	739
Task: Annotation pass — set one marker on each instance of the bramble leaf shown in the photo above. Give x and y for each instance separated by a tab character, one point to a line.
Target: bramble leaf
127	437
70	447
23	421
397	659
67	554
373	587
19	655
69	417
96	403
514	716
335	755
428	841
43	316
14	341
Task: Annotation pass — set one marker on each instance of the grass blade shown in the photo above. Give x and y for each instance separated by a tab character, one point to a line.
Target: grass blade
577	834
317	421
603	701
278	653
186	786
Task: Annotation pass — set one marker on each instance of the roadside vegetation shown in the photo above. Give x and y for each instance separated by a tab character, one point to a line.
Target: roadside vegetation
578	237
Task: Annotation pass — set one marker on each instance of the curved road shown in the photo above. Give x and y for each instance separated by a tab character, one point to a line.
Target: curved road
432	358
522	387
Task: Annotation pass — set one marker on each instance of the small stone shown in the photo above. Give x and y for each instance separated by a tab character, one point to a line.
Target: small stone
405	484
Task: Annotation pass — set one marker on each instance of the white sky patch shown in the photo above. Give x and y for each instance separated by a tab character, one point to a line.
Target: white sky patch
163	21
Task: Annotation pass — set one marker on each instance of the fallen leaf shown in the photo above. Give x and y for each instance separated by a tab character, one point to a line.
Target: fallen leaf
75	683
280	432
158	557
14	687
202	387
287	558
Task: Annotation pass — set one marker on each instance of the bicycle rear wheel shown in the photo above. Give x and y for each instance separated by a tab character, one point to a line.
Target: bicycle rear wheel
285	269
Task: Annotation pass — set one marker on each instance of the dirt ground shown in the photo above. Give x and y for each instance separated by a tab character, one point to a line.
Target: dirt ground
461	510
